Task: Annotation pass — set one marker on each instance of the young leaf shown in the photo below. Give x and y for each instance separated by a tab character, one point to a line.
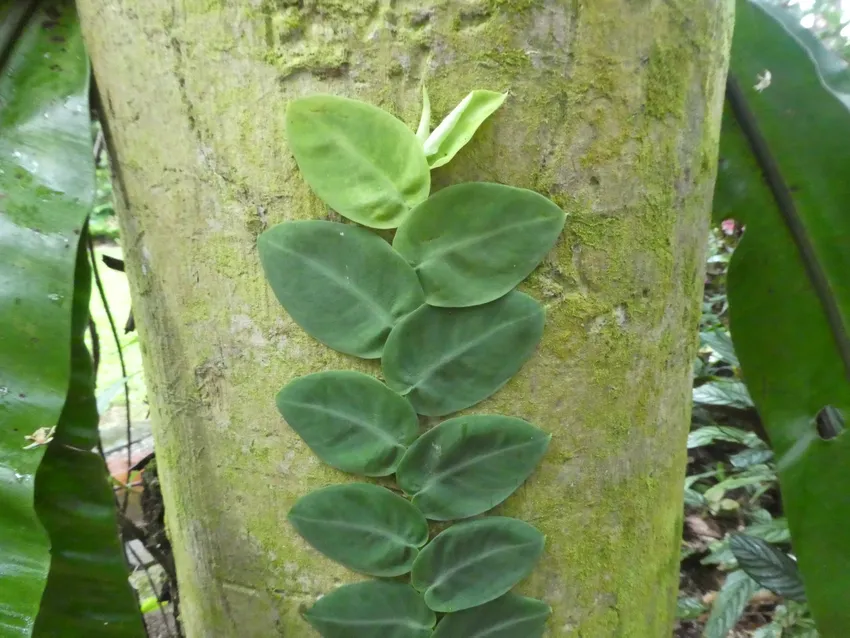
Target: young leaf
472	243
454	132
730	603
425	120
446	360
351	421
360	160
506	617
768	566
473	563
342	284
372	609
365	527
470	464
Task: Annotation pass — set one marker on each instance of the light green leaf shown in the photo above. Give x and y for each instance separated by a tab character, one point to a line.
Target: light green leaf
455	131
688	608
365	527
425	121
350	420
729	605
360	160
472	243
768	566
723	392
775	531
721	343
342	284
708	434
506	617
446	360
475	562
470	464
372	609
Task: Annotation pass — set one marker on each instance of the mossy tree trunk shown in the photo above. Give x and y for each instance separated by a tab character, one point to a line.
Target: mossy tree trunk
614	112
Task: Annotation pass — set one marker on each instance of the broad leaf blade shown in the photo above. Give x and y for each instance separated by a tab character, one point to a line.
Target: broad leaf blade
343	285
723	392
789	292
372	609
506	617
350	420
360	160
448	359
364	527
455	131
473	243
768	566
729	604
468	465
475	562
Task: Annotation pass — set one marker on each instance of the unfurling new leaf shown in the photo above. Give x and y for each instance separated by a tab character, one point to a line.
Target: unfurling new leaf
455	131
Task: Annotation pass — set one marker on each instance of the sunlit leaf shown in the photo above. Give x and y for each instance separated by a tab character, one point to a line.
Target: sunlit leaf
365	527
472	243
448	359
424	127
360	160
372	609
455	131
768	566
507	617
723	392
350	420
720	341
729	604
474	562
343	285
470	464
709	434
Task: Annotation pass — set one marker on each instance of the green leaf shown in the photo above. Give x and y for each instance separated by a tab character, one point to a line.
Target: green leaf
721	343
372	609
472	243
360	160
723	392
455	131
768	566
425	120
350	420
506	617
729	605
342	284
775	531
789	293
708	434
475	562
444	360
470	464
365	527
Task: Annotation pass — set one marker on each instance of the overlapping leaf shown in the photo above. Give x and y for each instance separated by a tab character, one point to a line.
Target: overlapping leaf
470	464
343	285
350	420
730	603
360	160
472	243
365	527
448	359
475	562
458	127
768	566
789	293
507	617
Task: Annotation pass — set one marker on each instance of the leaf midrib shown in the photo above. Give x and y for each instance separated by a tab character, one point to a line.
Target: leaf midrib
510	622
354	526
342	415
476	559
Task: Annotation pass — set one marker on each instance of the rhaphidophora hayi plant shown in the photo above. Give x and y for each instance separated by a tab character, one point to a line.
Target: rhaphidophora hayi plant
439	309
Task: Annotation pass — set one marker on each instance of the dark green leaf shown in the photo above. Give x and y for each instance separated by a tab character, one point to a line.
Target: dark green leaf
475	562
360	160
507	617
472	243
768	566
455	131
350	420
788	290
729	605
470	464
372	609
342	284
365	527
446	360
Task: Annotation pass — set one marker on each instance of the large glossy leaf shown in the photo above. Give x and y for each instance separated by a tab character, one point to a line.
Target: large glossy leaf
729	604
350	420
344	285
365	527
768	566
507	617
372	609
448	359
470	464
475	562
472	243
360	160
789	290
455	131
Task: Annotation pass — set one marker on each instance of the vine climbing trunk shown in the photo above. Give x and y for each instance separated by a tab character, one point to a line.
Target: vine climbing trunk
613	113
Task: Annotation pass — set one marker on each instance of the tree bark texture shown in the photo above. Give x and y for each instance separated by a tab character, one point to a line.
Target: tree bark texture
614	113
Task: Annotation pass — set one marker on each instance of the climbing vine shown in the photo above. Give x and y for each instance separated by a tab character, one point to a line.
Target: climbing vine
439	308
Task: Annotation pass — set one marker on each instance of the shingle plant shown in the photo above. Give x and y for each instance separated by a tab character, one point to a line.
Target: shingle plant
439	309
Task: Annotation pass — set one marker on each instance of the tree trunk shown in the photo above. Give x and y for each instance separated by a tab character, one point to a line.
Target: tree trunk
614	113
